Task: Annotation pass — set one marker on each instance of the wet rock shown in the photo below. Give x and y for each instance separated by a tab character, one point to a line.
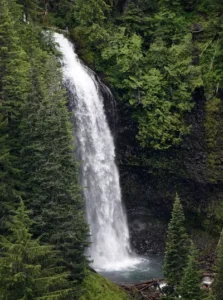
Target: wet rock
147	234
150	179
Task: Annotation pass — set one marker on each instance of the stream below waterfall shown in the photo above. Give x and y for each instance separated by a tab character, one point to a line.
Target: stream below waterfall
148	268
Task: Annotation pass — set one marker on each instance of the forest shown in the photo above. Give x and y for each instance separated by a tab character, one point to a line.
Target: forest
163	62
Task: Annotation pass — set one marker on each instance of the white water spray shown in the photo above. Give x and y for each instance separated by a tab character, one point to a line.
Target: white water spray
99	175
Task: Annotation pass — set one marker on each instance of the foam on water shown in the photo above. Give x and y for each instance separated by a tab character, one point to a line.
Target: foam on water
130	263
146	268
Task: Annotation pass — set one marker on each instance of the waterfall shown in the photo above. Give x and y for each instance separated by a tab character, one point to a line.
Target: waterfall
99	175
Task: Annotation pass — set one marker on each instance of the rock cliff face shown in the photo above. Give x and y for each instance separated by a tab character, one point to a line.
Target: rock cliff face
150	178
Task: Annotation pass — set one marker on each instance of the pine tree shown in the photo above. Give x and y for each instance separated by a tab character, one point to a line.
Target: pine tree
176	246
30	8
50	171
92	12
63	10
14	85
27	268
37	153
6	168
219	277
190	284
14	70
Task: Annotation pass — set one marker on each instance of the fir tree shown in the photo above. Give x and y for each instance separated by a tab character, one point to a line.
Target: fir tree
14	71
190	284
30	8
27	268
6	168
92	12
14	86
50	171
219	277
176	246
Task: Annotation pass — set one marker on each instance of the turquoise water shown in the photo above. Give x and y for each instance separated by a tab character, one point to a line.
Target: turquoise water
148	268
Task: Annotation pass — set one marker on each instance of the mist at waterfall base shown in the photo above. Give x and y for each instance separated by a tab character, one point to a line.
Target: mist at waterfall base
109	249
148	267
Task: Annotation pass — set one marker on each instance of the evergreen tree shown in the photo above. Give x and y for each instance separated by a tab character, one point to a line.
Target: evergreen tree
31	9
92	12
190	286
6	169
37	153
219	277
91	18
176	254
14	85
27	268
63	12
14	69
50	171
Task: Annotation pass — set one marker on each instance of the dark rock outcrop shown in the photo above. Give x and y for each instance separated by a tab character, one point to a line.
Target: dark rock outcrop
150	178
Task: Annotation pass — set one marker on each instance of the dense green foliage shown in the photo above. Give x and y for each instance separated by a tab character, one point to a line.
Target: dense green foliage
37	160
13	92
190	283
50	172
155	54
176	254
219	277
27	268
210	296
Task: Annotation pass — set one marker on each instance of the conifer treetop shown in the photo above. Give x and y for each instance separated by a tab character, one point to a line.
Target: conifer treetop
176	254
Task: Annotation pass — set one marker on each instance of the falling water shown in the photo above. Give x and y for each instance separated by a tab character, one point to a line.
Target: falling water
99	175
